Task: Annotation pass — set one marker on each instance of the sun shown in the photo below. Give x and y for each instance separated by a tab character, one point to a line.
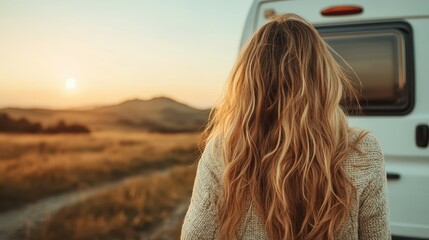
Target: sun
71	83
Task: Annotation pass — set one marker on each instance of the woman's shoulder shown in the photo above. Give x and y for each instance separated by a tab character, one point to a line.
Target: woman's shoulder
364	140
366	156
212	156
214	148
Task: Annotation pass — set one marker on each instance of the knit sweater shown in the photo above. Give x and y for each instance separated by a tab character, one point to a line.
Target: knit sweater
368	215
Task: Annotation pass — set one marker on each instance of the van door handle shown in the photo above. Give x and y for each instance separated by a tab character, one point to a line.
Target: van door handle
422	135
393	176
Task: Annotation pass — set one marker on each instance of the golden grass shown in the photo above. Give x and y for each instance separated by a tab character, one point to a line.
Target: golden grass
125	213
37	166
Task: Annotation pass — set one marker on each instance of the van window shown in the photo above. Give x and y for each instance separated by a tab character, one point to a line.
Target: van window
380	58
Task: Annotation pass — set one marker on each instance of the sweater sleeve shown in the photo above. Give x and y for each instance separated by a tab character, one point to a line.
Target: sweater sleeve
373	207
201	220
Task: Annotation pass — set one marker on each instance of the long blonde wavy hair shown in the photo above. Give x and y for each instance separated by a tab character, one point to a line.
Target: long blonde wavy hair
284	134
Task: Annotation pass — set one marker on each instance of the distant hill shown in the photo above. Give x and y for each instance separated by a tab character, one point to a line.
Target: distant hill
159	114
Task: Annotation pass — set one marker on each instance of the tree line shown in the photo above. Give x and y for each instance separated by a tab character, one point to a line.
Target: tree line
23	125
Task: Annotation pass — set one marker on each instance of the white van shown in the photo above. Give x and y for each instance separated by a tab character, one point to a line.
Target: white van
387	44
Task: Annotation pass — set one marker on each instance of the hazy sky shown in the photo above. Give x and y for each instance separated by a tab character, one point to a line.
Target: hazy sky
116	50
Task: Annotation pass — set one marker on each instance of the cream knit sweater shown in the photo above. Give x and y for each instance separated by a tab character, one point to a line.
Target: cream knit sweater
368	218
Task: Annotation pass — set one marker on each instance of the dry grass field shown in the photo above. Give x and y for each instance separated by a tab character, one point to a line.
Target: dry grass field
136	210
131	177
33	167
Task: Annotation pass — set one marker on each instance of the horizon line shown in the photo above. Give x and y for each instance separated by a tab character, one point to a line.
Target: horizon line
96	105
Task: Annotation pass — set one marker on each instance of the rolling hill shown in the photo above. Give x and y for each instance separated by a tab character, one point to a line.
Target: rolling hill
159	114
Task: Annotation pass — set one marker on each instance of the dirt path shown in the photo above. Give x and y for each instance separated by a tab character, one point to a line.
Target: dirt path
28	216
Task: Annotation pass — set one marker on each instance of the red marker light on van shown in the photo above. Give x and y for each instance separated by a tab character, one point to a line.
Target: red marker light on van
341	10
